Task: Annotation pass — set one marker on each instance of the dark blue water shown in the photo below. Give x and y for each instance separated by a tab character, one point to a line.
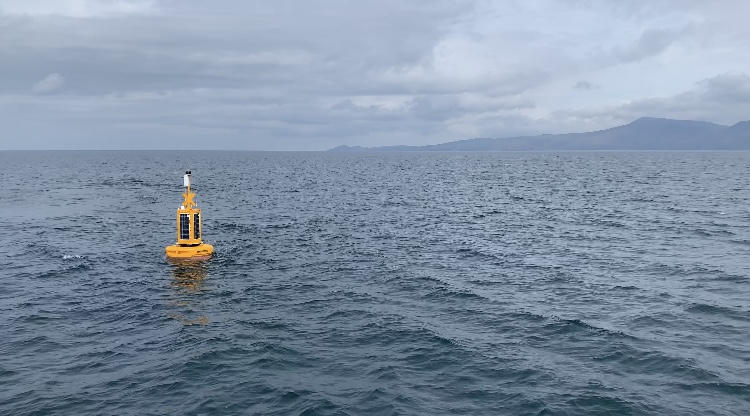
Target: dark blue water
377	284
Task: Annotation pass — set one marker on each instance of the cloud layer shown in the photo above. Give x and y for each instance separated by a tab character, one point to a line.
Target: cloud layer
50	84
289	75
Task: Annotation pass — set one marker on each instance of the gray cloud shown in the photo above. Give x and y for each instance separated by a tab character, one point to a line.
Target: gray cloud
726	89
257	45
708	100
308	76
50	84
652	42
78	8
584	85
443	107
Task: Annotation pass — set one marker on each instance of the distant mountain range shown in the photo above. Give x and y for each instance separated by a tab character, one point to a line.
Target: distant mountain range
646	133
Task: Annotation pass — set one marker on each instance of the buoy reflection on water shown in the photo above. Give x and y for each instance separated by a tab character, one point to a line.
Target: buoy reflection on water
188	279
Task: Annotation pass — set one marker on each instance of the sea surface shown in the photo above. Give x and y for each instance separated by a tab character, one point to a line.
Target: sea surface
377	284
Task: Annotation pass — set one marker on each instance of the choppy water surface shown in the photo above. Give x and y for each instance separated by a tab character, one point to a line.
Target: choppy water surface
377	284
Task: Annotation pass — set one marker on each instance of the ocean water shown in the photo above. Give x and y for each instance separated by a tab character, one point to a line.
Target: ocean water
377	284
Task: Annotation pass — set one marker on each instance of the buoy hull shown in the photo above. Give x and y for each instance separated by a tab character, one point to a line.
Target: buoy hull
195	252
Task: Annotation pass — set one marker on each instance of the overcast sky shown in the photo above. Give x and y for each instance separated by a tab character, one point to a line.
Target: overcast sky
311	75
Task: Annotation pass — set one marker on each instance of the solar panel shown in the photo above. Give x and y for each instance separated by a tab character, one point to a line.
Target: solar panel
197	226
184	226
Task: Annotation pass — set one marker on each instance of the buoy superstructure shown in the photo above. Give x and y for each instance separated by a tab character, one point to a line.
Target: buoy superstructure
190	244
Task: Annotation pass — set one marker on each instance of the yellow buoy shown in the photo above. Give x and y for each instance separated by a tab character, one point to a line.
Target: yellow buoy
189	245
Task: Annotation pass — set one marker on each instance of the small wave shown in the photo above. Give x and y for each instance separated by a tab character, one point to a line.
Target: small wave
734	389
656	362
64	272
732	278
350	315
484	282
265	325
711	233
589	327
610	223
274	357
43	249
654	321
628	287
201	320
224	354
705	309
477	251
233	226
385	373
280	226
562	326
40	344
689	271
448	293
324	407
599	404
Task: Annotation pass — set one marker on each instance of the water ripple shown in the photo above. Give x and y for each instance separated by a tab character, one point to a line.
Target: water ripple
378	284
